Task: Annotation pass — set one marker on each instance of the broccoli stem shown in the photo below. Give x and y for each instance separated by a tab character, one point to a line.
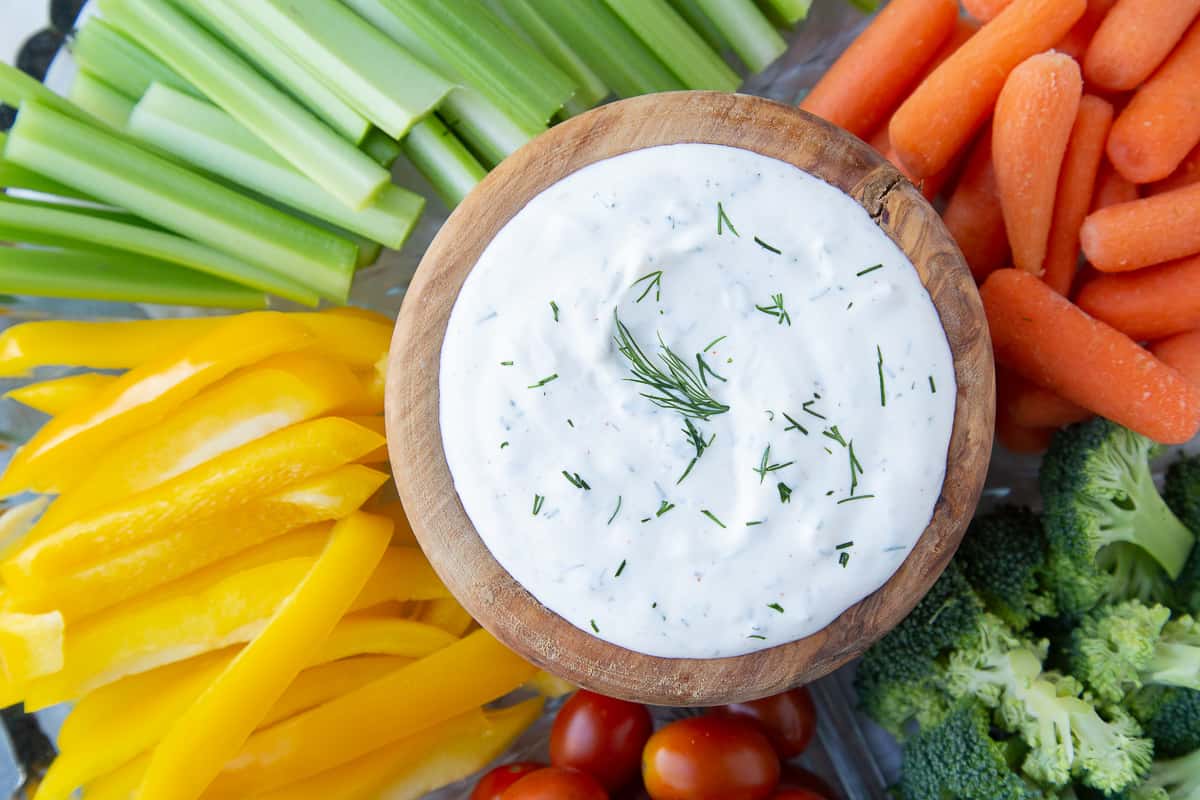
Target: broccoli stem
1174	664
1151	525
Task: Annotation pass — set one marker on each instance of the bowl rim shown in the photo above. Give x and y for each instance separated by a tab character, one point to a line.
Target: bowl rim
441	525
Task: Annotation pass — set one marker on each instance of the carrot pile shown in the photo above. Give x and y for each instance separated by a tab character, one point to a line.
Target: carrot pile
1061	139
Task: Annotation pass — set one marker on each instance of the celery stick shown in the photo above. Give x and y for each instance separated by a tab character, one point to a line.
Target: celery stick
122	277
513	75
865	6
790	11
16	88
676	44
315	149
443	160
749	32
611	49
274	60
525	18
381	147
205	136
15	177
118	172
44	224
99	99
120	62
368	254
691	11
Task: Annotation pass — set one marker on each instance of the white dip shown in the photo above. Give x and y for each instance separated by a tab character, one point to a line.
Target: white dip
812	488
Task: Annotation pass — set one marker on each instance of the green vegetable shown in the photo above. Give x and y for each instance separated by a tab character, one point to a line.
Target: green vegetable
1182	494
749	32
99	48
443	160
521	14
99	99
678	46
695	16
1098	491
1170	716
790	11
1003	556
1176	779
287	127
381	147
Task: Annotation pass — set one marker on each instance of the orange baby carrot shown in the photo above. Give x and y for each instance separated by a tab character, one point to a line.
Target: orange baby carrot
1149	304
930	187
1134	39
1034	116
1046	339
1181	351
985	10
1075	185
1012	436
1147	231
973	214
1032	406
882	65
1186	174
1077	40
943	114
1161	124
1112	188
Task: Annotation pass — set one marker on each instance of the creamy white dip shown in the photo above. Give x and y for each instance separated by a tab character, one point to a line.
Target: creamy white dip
812	330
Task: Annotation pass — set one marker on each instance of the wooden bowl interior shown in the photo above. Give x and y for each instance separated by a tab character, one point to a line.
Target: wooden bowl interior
484	588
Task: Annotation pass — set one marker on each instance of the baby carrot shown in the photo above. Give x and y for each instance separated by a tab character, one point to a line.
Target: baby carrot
942	115
1077	40
1182	352
1148	304
1161	124
973	214
1112	188
985	10
1034	116
882	65
1135	37
1039	334
1075	184
1185	174
1032	406
1143	232
1014	437
931	186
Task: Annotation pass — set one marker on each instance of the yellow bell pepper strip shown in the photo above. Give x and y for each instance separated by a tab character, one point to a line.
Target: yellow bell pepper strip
120	784
374	380
393	510
214	727
374	423
98	345
403	574
447	614
550	686
357	341
320	684
467	674
221	484
61	394
17	520
196	547
69	445
30	644
384	636
245	406
412	767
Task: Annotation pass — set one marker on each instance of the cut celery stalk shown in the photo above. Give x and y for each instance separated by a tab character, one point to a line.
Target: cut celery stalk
123	277
15	177
381	147
790	11
503	67
16	88
674	42
865	6
205	136
383	82
525	18
443	160
750	33
368	254
99	99
608	46
274	60
121	62
43	224
118	172
701	24
312	147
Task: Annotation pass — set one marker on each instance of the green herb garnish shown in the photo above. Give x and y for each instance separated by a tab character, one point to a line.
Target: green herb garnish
766	246
844	559
765	466
785	492
654	281
663	508
775	607
723	221
754	522
596	629
860	273
575	480
806	407
844	545
932	385
620	569
756	636
537	504
793	425
713	343
554	308
882	388
616	511
832	432
705	368
543	381
678	387
855	497
506	363
503	445
712	516
777	310
856	468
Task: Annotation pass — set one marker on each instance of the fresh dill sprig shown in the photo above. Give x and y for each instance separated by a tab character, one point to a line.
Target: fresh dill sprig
616	511
575	480
537	504
766	246
793	425
785	492
712	516
882	387
856	468
678	387
855	497
663	508
766	467
724	221
620	569
775	607
832	432
703	367
543	381
862	272
654	281
777	310
807	408
714	343
554	308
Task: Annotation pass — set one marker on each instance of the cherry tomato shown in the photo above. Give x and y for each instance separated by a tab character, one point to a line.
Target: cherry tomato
788	719
794	777
715	757
601	736
796	794
556	783
493	784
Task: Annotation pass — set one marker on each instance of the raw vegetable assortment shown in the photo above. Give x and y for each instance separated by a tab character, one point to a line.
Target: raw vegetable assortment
248	146
1059	131
215	584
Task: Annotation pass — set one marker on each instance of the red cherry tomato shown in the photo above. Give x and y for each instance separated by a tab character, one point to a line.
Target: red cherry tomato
715	757
493	784
794	777
556	783
788	719
601	736
796	794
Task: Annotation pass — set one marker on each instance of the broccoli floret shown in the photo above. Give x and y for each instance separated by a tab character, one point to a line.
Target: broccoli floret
1003	556
1182	493
1170	716
1117	649
958	758
1174	779
1098	490
897	678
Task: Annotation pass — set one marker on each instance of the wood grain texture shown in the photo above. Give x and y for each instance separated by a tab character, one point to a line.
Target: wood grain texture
497	601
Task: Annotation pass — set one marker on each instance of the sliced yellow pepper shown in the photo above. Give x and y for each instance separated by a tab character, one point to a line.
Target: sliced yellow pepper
320	684
384	636
120	784
214	727
30	644
447	614
452	681
412	767
549	685
245	406
17	520
355	340
395	512
210	541
226	482
61	394
358	312
69	445
373	423
404	574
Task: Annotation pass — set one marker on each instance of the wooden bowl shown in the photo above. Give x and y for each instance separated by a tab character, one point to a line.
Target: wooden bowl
484	588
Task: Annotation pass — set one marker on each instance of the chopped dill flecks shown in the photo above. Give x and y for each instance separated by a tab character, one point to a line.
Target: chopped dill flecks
765	467
932	385
862	272
785	492
882	388
537	504
856	468
712	516
844	545
855	497
766	246
844	559
616	511
506	363
570	422
723	221
543	381
663	508
554	308
713	343
594	626
777	310
687	471
775	607
756	636
807	408
620	569
575	480
832	432
793	425
653	282
754	522
705	368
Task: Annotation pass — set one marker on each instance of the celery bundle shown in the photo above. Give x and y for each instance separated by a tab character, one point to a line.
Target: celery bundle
217	152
